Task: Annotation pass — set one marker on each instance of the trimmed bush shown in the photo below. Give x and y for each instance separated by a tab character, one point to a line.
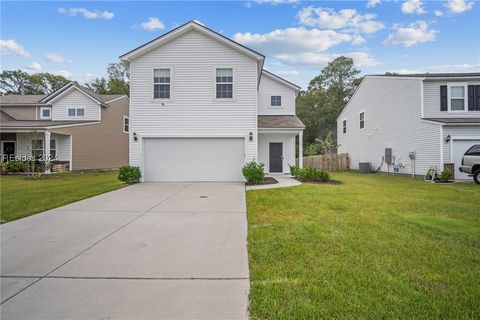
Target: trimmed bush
129	174
294	170
446	175
13	166
253	172
313	174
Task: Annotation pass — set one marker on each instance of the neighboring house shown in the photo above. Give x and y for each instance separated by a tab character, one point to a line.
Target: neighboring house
201	106
72	126
434	118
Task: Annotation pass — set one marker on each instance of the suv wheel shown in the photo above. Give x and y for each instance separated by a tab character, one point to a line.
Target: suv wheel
476	176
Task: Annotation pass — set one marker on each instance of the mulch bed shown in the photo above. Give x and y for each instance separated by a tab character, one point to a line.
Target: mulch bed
267	180
320	182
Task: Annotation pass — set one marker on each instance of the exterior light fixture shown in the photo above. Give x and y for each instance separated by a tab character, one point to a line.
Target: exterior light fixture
448	139
250	136
135	138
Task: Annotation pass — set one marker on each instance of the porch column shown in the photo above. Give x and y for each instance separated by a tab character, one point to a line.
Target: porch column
300	149
46	149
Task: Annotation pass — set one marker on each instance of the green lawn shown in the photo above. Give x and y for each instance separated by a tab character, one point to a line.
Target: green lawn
376	247
22	196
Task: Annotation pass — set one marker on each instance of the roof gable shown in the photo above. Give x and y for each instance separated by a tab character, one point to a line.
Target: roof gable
179	31
278	79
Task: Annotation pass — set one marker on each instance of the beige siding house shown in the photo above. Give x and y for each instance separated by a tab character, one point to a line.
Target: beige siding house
73	128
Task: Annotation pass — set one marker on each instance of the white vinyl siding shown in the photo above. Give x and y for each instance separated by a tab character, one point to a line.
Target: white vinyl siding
393	109
288	148
270	87
431	93
75	99
457	132
194	111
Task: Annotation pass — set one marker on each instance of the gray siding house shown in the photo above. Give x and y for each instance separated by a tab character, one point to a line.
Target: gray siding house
427	120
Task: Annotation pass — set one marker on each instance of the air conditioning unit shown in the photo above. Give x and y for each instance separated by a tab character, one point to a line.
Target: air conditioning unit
365	167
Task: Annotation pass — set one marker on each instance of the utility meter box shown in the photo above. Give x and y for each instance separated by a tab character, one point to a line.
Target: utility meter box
412	155
388	156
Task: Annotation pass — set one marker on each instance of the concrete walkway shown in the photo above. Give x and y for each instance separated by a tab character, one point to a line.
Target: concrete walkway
149	251
283	182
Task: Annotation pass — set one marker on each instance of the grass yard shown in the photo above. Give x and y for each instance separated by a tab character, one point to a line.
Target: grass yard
376	247
22	196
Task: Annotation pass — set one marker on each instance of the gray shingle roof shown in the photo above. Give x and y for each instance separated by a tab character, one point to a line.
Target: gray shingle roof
31	124
280	122
22	99
454	120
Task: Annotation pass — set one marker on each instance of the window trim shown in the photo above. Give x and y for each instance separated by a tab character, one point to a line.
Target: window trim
275	106
76	112
123	124
344	126
214	78
152	83
465	96
50	158
360	121
41	112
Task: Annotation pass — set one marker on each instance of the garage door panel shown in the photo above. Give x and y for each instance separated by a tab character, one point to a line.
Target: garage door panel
193	159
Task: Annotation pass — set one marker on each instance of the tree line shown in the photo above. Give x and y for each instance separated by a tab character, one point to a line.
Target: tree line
21	82
318	106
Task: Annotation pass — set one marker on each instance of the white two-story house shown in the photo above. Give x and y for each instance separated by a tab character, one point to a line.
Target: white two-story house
201	106
411	123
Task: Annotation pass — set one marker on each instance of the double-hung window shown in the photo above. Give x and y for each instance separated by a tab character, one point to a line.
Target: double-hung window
45	113
161	83
76	112
362	119
126	124
224	83
344	126
38	147
457	97
276	101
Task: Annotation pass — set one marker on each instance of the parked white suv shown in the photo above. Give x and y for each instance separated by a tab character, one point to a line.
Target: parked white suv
471	163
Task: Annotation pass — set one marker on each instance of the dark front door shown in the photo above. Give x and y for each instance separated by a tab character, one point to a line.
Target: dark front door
276	157
8	150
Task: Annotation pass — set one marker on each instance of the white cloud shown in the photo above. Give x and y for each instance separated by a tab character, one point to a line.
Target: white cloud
346	19
64	73
106	15
295	40
13	47
456	67
438	13
413	6
152	24
411	34
53	57
373	3
34	66
459	6
360	59
287	73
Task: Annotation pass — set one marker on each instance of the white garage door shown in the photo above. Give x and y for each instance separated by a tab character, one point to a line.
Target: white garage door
459	147
193	159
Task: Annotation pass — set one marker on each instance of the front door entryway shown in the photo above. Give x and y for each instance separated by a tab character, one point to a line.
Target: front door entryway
276	157
8	150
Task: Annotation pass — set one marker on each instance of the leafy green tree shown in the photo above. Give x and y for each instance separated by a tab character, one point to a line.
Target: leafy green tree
16	82
47	83
118	78
99	85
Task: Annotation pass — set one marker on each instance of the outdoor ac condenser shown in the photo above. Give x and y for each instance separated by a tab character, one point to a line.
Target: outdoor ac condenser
364	167
388	156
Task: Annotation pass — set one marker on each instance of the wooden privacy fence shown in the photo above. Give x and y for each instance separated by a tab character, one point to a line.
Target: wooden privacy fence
328	162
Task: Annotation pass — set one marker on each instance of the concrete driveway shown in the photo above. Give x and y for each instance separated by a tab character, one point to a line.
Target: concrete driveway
149	251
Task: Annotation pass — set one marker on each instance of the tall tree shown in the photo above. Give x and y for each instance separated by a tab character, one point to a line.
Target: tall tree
118	78
16	82
99	85
48	83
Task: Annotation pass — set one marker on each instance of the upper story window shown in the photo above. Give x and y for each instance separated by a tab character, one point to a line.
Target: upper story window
45	113
224	83
344	126
362	119
276	101
76	112
161	83
456	100
126	124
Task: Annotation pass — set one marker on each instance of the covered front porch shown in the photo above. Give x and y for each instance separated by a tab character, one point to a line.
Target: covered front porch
277	142
40	145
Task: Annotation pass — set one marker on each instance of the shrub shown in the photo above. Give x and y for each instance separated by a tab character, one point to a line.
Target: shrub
294	170
129	174
309	174
446	175
13	166
253	172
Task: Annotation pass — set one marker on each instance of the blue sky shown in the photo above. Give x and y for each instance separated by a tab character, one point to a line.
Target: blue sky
78	39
